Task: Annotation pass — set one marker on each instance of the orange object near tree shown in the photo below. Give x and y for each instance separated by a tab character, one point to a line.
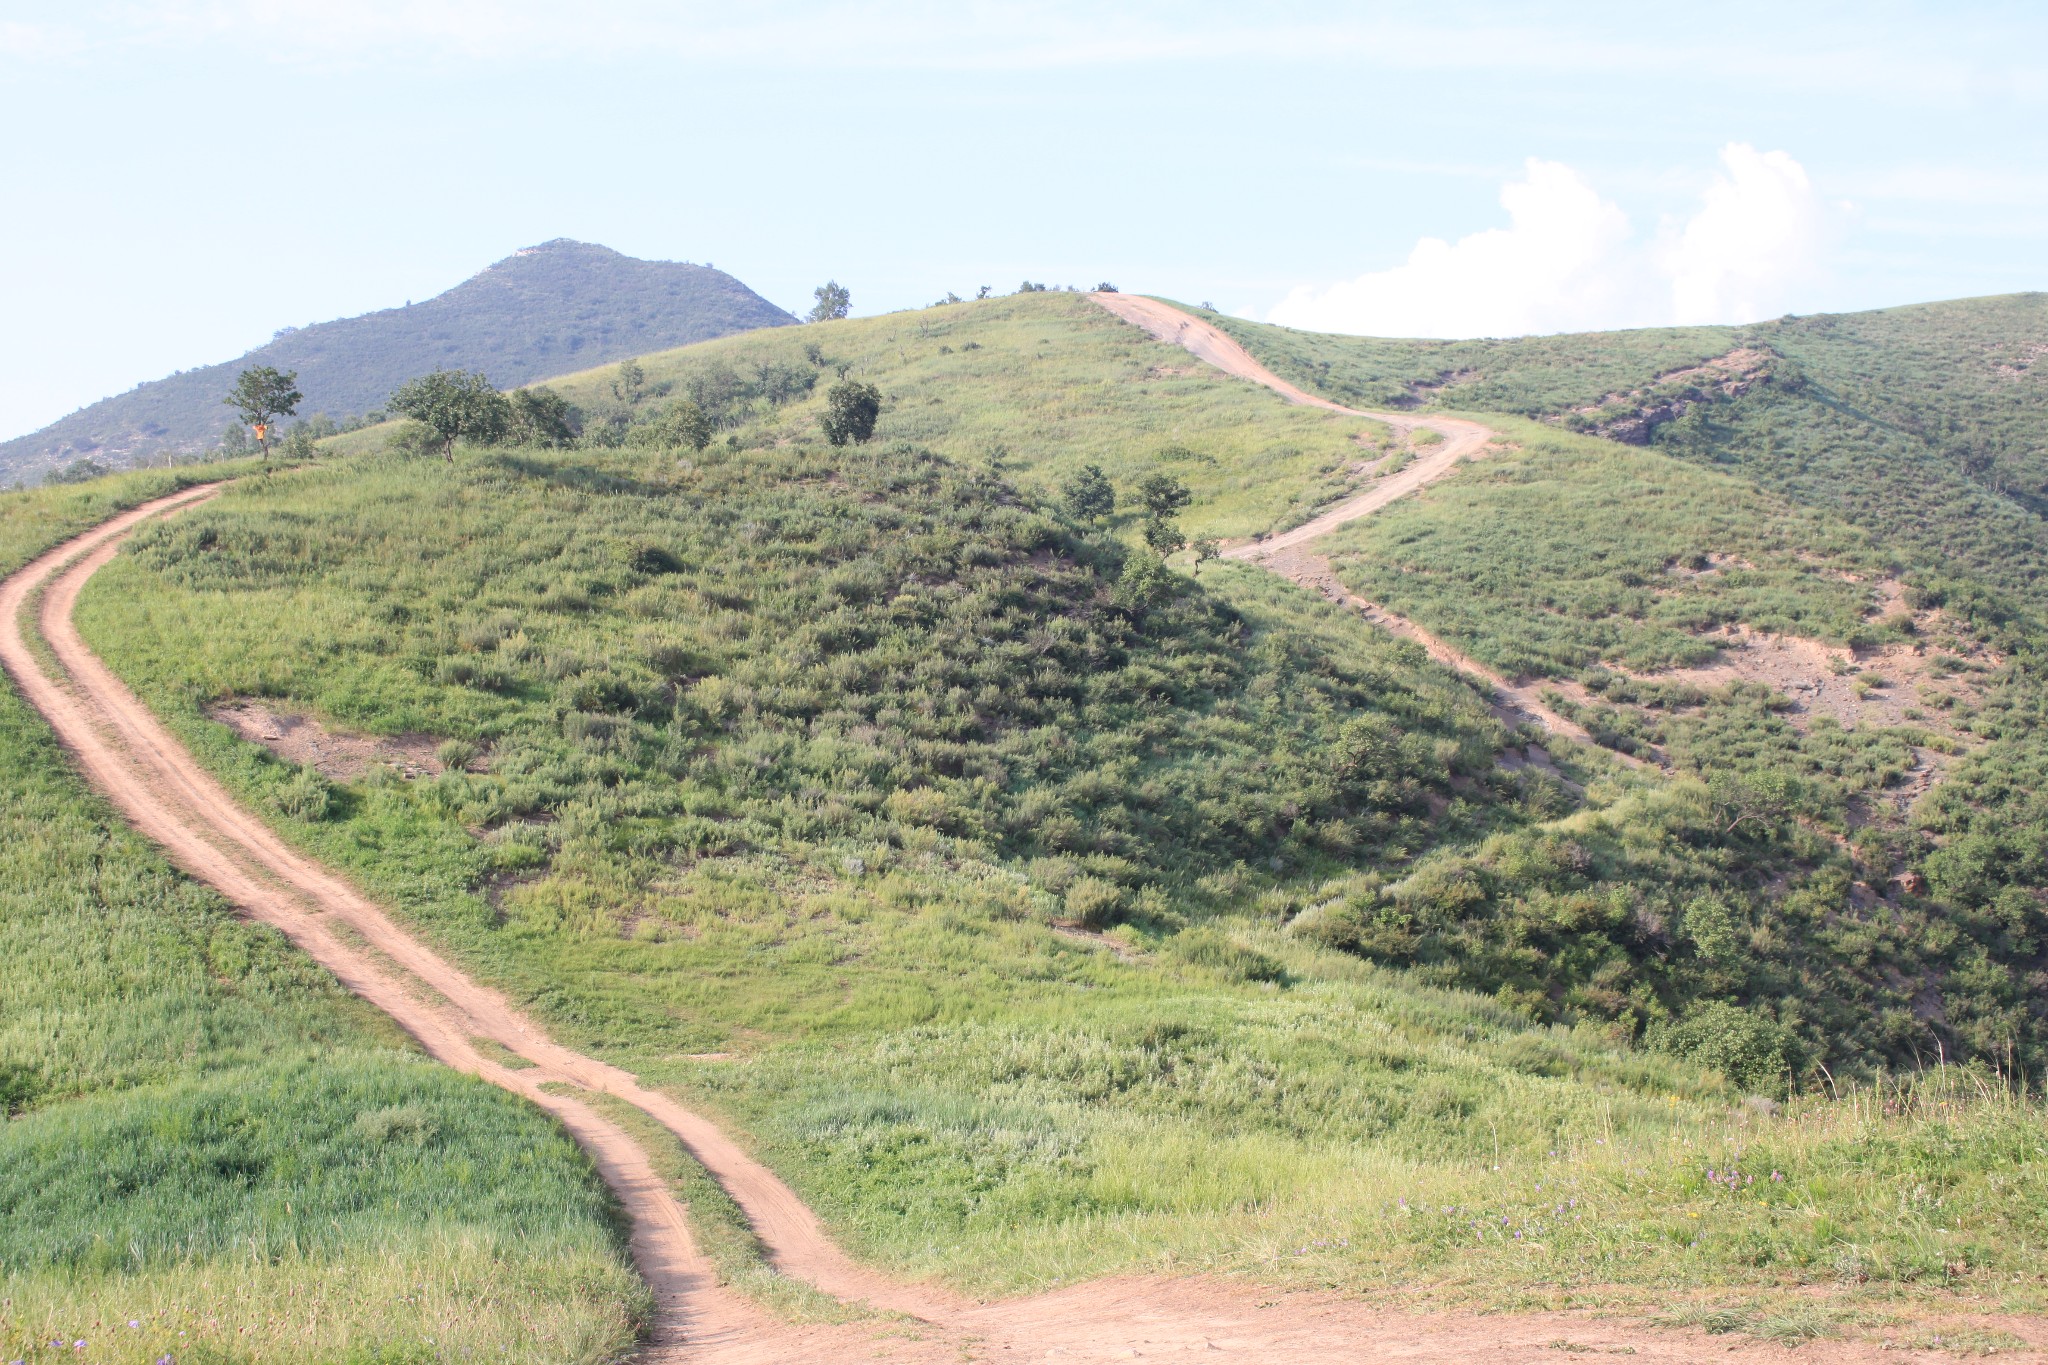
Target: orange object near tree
261	394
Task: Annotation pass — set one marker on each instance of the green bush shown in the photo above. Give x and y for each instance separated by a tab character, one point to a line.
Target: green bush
1206	948
1748	1049
1094	902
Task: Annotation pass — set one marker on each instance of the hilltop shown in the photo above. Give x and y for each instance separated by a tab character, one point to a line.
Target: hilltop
549	308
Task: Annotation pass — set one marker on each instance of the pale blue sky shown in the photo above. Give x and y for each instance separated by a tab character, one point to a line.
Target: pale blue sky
181	179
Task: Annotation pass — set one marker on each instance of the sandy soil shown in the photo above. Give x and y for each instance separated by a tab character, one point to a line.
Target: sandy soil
157	785
1874	686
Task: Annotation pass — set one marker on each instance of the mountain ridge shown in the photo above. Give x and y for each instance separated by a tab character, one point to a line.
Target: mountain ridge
560	305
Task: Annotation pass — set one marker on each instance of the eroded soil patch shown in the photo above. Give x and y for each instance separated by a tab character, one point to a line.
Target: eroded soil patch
1907	682
336	756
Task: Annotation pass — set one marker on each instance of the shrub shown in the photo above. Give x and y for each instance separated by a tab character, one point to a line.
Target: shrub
1144	584
850	412
304	796
601	691
1227	958
1748	1049
456	754
1094	902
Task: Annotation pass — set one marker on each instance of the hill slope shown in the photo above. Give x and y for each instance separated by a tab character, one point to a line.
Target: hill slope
537	312
794	779
1921	424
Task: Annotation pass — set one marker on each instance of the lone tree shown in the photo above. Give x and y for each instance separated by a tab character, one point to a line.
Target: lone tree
1089	495
454	405
627	383
851	408
1163	535
262	395
832	302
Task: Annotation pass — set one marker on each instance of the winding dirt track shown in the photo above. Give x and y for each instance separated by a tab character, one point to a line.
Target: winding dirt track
157	785
1287	554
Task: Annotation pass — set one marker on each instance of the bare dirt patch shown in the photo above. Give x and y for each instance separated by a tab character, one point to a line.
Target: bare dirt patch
336	756
2022	363
1908	682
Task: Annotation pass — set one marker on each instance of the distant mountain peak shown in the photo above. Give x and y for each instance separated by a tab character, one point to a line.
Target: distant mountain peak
547	309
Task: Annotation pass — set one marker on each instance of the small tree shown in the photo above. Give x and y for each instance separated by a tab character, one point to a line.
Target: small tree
1163	535
1205	550
626	384
851	408
262	395
1089	496
1163	495
1766	799
683	423
454	405
833	301
1143	584
542	417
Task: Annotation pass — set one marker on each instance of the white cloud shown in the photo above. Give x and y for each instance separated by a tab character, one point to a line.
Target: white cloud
1569	261
1758	237
1550	270
36	41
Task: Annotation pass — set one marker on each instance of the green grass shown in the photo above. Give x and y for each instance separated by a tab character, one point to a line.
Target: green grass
1570	552
1035	387
796	753
207	1137
1355	1132
1917	427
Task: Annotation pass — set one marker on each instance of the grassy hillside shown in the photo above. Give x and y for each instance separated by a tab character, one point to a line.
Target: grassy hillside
1919	427
1919	424
533	314
206	1139
833	758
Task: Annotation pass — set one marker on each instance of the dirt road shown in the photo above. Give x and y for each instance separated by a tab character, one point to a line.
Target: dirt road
1514	701
157	785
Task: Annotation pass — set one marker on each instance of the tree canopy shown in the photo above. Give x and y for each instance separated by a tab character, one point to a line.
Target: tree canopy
683	423
542	417
851	408
1088	495
263	394
833	301
454	405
